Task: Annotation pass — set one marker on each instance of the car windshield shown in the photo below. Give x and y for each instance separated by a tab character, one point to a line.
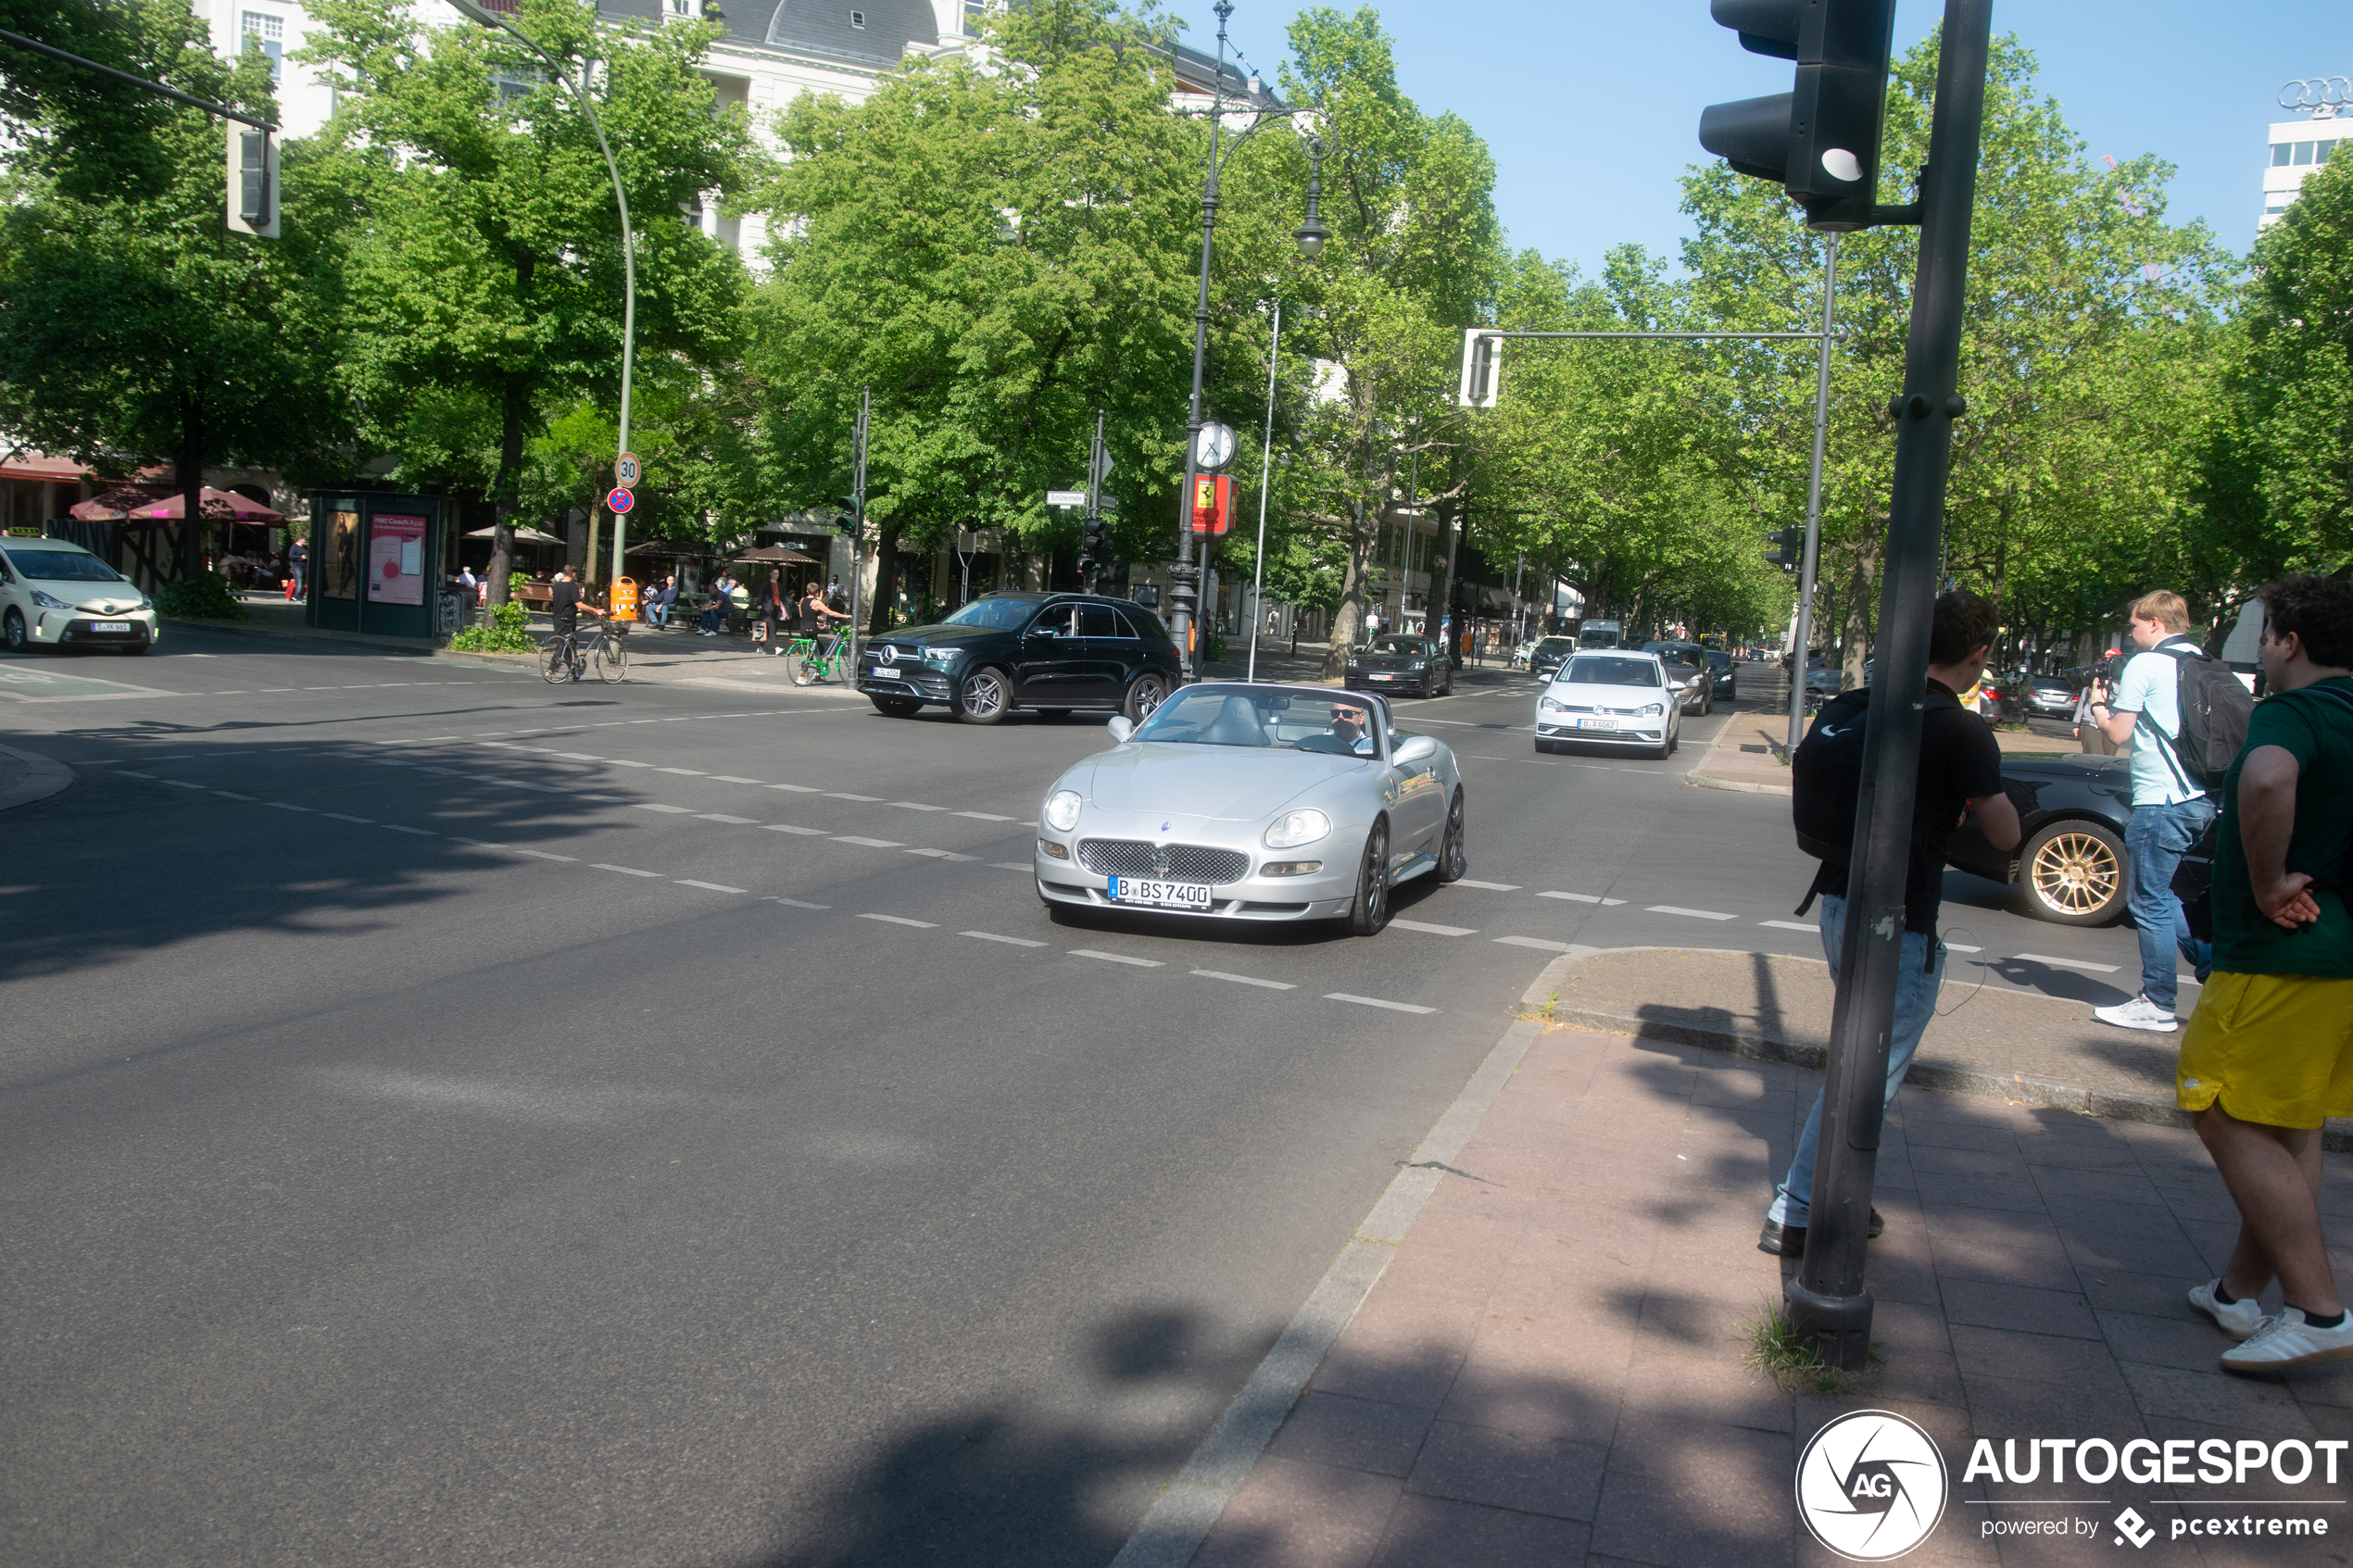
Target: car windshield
1266	721
1394	645
63	565
1009	615
1591	672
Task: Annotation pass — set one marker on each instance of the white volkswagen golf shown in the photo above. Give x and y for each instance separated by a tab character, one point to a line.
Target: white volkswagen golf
1613	698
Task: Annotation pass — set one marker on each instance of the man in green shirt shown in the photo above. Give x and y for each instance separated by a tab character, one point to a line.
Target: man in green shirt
2269	1054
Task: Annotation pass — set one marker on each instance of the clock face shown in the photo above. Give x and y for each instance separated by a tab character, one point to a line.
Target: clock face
1214	448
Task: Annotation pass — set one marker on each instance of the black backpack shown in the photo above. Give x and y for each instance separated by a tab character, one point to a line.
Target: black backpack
1825	774
2216	707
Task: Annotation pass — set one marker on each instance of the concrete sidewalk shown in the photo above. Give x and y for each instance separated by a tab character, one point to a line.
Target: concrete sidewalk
1551	1368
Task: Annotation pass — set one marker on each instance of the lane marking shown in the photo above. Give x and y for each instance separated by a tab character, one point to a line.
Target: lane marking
477	842
1245	980
708	886
338	816
1582	898
689	773
943	855
1537	943
671	811
619	763
180	783
869	843
625	871
608	799
420	833
722	816
916	806
1490	886
1799	925
787	827
1949	946
730	778
1374	1002
1115	958
283	806
839	795
129	775
986	817
1011	866
543	855
2065	963
1009	941
1676	910
1434	930
231	795
794	903
799	789
903	919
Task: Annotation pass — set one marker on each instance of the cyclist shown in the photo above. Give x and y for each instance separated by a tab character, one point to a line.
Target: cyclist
565	601
817	614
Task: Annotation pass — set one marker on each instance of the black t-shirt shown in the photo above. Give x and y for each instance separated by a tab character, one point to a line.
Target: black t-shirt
563	605
1960	761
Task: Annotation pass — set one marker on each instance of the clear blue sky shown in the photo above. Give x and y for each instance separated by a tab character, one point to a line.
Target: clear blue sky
1593	111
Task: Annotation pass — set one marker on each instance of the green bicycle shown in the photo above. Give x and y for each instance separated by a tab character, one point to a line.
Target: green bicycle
567	655
805	662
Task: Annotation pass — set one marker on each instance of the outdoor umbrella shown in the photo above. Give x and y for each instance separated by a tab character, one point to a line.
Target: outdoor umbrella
521	535
776	555
132	504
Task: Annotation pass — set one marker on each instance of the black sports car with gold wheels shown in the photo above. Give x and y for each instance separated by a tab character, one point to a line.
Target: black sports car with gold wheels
2069	868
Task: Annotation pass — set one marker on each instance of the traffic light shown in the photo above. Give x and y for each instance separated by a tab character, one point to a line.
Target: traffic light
848	512
1212	504
1095	544
1482	369
1789	547
253	180
1820	140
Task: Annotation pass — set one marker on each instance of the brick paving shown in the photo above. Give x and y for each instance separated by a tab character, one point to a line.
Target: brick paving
1550	1369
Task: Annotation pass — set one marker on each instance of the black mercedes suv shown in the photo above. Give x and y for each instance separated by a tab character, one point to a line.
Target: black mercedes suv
1050	653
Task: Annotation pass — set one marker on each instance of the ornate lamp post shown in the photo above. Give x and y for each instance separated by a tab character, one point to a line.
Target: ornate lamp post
1185	577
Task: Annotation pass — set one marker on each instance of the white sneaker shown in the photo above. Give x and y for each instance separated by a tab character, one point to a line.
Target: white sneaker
2239	1320
2287	1340
2139	1014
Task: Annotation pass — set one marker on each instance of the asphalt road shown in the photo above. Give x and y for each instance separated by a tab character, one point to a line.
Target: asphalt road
445	1117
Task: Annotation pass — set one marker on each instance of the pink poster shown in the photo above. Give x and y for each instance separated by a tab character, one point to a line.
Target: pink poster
396	559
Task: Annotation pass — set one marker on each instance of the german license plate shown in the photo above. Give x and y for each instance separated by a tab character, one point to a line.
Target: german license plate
1162	894
1597	723
110	626
1384	677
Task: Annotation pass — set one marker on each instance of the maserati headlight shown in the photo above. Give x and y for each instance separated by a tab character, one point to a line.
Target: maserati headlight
1652	711
1295	828
1061	809
45	602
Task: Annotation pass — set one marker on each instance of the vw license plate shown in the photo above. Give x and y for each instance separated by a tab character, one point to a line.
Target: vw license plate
1164	895
1597	723
110	626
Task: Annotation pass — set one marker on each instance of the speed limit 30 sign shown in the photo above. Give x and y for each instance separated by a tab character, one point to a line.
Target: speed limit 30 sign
627	470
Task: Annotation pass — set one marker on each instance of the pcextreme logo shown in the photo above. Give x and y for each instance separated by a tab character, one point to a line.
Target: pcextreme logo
1871	1485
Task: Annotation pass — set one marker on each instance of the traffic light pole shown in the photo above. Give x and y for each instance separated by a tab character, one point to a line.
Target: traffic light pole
858	526
1265	483
1827	1301
1801	639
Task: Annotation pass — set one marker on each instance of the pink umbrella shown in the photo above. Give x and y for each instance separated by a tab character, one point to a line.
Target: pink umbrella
145	506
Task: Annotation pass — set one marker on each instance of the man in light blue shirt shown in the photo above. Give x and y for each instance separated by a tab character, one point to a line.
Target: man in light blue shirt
2170	810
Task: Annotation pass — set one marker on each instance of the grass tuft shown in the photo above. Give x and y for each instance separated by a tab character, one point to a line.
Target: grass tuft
1776	1349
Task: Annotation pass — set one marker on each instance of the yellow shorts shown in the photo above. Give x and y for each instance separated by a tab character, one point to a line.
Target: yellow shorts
2273	1048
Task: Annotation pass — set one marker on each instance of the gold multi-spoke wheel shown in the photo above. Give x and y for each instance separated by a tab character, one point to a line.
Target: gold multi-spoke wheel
2073	874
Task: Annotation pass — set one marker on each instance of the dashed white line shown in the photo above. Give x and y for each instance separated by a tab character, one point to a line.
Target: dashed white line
916	806
1949	946
943	855
903	919
231	795
1115	958
689	773
1490	886
1434	930
1009	941
837	795
1791	925
1536	942
986	817
869	843
338	816
787	827
180	783
794	903
1676	910
1245	980
1375	1002
1582	898
799	789
730	778
708	886
1010	866
2065	963
722	816
669	811
285	806
608	799
129	775
625	871
420	832
544	855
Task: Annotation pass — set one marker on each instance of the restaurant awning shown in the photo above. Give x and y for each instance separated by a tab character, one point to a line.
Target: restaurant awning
521	535
776	555
135	503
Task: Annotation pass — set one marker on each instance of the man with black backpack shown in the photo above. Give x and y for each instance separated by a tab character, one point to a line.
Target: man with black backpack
2186	716
1960	770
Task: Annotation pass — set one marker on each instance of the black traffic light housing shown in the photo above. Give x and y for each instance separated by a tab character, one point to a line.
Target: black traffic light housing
1789	547
849	513
1820	141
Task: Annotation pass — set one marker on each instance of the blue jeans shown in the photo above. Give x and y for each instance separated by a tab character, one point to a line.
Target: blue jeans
659	615
1916	983
2154	841
713	619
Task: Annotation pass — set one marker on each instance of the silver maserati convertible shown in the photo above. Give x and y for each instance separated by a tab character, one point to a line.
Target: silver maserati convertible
1254	801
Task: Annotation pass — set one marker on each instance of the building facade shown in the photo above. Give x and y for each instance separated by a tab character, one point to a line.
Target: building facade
2300	146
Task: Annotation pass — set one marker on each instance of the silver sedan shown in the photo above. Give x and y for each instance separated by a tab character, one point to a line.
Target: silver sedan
1254	801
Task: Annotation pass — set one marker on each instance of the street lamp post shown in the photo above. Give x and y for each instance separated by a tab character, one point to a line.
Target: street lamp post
1311	235
628	241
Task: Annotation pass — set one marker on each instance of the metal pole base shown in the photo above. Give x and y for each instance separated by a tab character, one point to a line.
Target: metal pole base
1839	1325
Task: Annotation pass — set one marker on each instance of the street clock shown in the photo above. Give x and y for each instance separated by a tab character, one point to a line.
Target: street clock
1214	447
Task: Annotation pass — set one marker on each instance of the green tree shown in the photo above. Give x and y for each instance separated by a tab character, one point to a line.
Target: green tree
134	327
484	279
